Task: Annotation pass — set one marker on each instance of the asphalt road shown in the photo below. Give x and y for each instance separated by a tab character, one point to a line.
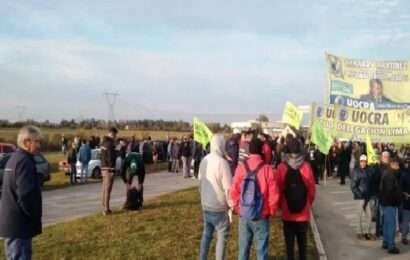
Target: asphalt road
337	220
82	200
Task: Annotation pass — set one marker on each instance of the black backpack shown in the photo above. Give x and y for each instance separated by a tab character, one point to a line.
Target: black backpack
134	199
295	190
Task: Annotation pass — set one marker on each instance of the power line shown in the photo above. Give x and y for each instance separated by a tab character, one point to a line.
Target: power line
111	98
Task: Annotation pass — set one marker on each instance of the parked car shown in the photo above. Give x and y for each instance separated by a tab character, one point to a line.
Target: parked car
6	149
94	166
42	166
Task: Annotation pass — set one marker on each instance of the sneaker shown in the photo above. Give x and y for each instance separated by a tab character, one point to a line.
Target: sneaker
384	246
394	251
404	241
360	236
367	237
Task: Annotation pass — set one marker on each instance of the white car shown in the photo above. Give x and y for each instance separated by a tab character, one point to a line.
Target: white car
94	166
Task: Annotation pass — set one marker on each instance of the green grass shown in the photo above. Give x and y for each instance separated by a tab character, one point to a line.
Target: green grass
60	180
169	227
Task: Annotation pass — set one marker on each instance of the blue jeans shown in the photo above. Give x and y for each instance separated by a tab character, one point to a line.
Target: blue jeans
84	172
248	230
389	226
405	223
219	222
18	249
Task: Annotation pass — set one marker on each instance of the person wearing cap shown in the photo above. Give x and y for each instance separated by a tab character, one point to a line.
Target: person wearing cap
360	185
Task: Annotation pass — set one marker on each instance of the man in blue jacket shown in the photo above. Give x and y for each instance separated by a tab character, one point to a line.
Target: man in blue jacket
84	158
21	202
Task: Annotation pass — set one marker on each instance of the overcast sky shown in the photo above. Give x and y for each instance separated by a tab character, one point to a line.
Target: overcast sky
221	60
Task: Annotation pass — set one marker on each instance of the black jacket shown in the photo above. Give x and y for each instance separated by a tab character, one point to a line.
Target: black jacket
186	149
108	153
21	202
390	190
360	183
405	186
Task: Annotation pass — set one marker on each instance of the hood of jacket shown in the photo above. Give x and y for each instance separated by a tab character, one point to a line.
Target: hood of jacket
294	160
218	145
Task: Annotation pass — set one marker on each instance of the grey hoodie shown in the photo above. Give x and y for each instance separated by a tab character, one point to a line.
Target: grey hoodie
215	177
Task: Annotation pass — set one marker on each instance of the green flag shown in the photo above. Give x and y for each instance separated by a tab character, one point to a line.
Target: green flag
372	157
292	115
202	134
321	137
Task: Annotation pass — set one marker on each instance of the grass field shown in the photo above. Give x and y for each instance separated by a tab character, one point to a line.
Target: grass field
169	227
60	180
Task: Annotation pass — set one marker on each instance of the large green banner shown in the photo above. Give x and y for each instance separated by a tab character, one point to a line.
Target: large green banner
387	126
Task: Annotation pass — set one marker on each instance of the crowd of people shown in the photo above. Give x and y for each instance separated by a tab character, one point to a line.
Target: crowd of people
241	175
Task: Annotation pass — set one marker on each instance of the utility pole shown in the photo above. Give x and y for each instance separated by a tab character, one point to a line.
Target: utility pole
111	98
21	110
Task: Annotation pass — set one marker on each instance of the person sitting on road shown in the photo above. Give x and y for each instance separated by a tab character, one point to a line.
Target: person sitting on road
360	186
133	166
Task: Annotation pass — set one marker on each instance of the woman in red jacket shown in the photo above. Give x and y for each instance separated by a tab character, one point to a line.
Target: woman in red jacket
295	217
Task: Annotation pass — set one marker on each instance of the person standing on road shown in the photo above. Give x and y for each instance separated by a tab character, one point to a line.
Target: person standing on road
72	162
344	162
21	202
84	157
390	200
64	144
175	153
297	187
232	152
108	157
405	219
215	181
186	152
255	198
360	185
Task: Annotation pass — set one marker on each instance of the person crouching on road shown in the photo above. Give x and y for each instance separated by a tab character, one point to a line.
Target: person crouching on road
21	202
215	180
255	198
297	187
390	200
108	157
360	186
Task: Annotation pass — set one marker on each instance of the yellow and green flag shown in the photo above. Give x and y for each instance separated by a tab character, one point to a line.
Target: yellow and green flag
202	134
292	115
321	137
372	157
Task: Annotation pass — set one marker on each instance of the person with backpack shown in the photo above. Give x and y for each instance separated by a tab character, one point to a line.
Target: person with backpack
255	198
133	166
390	199
297	189
215	180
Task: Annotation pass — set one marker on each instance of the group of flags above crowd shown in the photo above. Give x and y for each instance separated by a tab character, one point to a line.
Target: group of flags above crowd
368	101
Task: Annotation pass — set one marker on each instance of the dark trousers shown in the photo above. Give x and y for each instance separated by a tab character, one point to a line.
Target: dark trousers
196	166
18	249
73	174
343	171
295	230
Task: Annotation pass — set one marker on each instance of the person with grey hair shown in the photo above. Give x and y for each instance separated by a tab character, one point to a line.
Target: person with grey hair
21	202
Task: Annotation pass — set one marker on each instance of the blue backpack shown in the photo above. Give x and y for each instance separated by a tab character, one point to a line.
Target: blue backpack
251	201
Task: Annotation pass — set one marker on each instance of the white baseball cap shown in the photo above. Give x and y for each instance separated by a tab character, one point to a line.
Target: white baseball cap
363	157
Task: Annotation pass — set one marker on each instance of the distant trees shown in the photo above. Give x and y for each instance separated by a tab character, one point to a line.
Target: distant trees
263	118
92	123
